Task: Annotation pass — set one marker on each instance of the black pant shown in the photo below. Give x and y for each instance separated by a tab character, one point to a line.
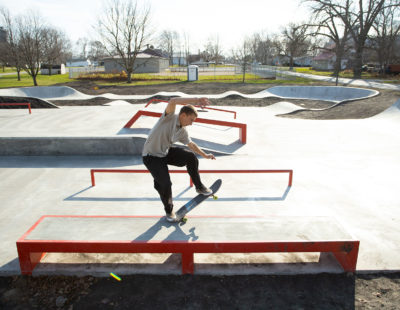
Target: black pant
158	167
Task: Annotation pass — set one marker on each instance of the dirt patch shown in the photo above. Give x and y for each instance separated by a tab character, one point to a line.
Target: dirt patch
324	291
347	110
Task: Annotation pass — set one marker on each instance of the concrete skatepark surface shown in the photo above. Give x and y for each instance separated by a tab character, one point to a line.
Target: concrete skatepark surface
344	169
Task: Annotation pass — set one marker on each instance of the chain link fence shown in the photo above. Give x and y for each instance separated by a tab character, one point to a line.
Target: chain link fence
76	72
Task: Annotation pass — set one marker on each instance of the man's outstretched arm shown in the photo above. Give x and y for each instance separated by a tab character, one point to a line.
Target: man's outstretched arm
194	147
183	101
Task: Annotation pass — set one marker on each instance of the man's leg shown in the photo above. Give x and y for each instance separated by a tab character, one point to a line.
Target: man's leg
162	183
180	157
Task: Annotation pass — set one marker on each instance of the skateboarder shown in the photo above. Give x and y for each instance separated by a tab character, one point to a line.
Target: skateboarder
158	151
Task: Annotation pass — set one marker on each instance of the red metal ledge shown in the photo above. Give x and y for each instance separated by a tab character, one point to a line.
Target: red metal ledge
242	127
30	251
25	103
197	106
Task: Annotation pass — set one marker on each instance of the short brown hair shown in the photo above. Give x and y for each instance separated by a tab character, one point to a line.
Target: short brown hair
188	110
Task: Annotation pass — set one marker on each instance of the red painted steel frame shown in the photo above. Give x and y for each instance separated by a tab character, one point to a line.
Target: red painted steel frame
31	251
242	127
197	106
93	171
25	103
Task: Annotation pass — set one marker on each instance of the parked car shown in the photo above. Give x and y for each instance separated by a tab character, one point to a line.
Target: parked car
393	69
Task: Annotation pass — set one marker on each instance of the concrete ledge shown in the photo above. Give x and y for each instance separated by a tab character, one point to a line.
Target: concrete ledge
71	146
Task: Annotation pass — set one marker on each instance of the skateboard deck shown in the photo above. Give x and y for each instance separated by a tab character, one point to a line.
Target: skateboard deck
190	205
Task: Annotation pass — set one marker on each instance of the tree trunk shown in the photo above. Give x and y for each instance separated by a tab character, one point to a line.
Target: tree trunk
357	67
291	63
34	80
129	77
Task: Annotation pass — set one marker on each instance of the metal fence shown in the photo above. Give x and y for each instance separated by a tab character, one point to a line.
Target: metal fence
76	72
261	71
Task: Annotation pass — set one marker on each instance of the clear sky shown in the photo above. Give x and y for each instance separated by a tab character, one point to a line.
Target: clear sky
231	20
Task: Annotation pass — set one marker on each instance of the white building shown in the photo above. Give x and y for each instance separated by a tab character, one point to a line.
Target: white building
78	62
144	63
55	69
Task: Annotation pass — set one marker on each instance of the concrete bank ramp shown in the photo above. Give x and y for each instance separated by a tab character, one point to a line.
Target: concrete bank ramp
282	107
45	92
391	113
326	93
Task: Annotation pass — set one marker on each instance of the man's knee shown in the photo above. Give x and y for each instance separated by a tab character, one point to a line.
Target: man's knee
192	158
163	187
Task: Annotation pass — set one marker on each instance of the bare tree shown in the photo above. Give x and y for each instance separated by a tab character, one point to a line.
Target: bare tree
295	42
386	30
168	41
9	51
186	46
327	24
82	47
30	30
124	29
262	48
53	46
243	55
213	48
96	50
358	16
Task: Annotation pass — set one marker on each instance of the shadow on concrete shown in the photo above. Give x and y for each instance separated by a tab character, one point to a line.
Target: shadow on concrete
10	268
75	197
226	149
69	161
177	234
134	131
216	148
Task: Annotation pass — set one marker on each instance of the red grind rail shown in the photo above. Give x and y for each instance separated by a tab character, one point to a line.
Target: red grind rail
242	127
25	103
93	171
30	252
197	106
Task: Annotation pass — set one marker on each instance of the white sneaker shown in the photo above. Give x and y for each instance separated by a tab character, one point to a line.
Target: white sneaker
204	191
171	217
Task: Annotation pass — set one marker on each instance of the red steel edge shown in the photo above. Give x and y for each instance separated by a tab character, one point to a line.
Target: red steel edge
30	252
25	103
242	127
197	106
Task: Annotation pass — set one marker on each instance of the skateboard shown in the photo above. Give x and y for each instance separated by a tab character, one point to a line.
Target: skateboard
190	205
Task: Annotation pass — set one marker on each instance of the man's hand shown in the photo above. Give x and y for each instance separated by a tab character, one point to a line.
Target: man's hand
209	156
203	102
193	146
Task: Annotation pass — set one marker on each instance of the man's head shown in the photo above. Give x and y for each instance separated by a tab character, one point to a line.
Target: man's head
187	115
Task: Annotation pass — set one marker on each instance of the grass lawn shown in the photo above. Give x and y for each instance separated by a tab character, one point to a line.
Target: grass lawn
344	74
26	80
7	69
152	79
142	79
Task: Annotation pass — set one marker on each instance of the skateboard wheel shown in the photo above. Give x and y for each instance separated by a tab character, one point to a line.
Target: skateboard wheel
215	197
184	220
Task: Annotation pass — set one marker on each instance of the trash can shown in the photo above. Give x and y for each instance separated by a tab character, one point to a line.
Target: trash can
192	73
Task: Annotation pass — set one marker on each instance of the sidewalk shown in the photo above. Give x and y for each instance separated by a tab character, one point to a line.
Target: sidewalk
344	81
